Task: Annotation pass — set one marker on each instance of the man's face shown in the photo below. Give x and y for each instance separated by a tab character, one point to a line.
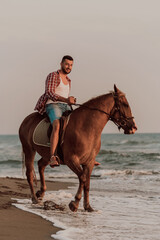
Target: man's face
66	66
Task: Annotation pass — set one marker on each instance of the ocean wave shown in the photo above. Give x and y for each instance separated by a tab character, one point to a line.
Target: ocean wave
103	151
103	173
149	155
61	175
10	162
133	142
126	142
110	152
127	154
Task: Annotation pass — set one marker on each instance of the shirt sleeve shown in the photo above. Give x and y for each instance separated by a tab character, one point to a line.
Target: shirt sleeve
52	82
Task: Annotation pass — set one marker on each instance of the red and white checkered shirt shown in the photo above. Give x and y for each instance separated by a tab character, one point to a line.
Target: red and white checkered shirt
52	82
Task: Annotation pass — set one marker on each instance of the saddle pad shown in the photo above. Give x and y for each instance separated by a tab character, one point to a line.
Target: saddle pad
40	136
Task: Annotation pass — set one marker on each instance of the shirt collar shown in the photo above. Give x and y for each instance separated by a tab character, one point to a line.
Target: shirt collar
58	71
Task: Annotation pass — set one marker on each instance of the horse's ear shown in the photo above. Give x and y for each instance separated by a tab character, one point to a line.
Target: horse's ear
115	88
117	91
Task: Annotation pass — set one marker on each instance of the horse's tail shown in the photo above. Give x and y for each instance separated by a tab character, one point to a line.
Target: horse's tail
23	163
23	168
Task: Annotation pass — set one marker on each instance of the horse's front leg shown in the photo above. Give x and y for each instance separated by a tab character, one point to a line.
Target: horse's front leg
86	204
74	165
74	204
42	163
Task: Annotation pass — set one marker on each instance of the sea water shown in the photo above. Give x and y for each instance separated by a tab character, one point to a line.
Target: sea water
125	189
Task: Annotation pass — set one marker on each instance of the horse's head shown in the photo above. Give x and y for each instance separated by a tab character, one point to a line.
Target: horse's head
121	114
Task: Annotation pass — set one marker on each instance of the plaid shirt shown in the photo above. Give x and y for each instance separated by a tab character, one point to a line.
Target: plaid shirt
52	81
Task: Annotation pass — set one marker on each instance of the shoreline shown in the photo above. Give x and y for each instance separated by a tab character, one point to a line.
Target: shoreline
16	224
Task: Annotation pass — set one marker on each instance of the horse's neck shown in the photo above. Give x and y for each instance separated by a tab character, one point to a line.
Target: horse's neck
103	103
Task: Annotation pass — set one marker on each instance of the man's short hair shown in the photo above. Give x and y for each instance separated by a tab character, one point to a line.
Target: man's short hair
67	57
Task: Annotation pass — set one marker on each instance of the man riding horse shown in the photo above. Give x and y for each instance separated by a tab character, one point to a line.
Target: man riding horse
55	101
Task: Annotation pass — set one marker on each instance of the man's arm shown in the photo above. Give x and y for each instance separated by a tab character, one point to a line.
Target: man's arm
51	84
69	100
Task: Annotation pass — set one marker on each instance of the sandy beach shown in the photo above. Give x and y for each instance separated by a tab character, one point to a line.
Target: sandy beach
16	224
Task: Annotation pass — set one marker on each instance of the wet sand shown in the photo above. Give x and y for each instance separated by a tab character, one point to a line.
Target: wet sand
16	224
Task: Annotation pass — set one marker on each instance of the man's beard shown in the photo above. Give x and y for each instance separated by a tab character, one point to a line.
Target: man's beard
64	71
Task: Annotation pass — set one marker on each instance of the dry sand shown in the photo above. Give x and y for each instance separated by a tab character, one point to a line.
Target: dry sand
16	224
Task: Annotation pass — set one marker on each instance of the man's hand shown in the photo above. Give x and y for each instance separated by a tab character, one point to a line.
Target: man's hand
71	100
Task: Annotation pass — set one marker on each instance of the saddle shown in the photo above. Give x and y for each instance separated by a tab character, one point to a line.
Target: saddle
43	130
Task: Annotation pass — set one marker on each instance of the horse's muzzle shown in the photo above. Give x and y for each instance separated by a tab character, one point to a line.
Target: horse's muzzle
130	131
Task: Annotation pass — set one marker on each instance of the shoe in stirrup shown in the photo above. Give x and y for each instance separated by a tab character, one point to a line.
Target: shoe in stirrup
54	161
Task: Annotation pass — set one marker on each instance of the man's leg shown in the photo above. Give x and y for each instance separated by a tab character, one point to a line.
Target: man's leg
54	141
54	113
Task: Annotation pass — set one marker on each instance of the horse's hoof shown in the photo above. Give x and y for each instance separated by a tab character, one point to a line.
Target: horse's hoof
35	200
89	209
39	194
73	206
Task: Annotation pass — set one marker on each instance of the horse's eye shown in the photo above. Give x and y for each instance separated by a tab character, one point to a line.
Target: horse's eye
126	105
123	122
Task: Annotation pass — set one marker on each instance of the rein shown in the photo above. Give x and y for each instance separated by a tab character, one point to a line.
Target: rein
96	109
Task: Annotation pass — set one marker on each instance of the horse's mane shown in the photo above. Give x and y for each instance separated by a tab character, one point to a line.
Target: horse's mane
94	100
100	98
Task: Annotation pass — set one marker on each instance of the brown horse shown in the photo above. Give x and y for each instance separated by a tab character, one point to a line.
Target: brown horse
82	141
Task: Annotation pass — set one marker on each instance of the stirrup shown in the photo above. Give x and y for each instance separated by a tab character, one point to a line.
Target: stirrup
55	162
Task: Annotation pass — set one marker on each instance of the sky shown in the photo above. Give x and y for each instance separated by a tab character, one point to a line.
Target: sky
111	41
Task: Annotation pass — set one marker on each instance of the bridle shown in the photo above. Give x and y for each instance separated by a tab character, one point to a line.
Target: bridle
121	122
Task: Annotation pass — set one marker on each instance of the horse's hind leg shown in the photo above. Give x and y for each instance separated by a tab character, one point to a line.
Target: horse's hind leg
41	166
29	162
